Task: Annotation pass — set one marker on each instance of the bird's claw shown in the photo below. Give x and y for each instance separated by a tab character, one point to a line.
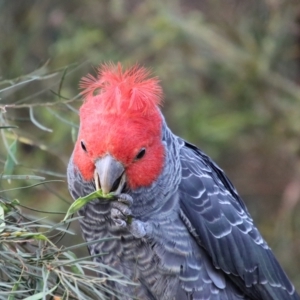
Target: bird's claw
120	211
122	216
125	198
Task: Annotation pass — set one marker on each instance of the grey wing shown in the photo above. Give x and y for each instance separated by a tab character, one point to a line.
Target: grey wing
222	226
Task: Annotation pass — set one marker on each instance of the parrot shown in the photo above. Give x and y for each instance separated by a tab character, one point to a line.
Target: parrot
176	225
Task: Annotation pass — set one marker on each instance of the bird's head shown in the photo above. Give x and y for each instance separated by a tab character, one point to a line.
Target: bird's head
120	135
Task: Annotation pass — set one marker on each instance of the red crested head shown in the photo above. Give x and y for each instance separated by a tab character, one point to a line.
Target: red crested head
120	117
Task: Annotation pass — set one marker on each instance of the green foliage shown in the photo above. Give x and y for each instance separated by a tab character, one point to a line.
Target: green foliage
33	266
82	201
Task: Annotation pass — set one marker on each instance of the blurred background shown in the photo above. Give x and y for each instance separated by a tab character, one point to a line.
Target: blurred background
230	71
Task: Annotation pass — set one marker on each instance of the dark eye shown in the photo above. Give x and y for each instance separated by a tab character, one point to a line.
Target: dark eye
83	146
141	154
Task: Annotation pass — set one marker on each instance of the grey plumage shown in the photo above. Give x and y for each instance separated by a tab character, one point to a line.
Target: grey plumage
191	237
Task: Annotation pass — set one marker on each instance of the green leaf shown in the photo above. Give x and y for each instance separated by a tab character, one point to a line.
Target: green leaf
15	202
10	162
2	224
36	123
76	268
41	237
21	177
8	127
41	295
82	201
74	134
30	235
14	289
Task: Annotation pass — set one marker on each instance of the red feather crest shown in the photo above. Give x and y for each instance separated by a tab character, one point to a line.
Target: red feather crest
118	91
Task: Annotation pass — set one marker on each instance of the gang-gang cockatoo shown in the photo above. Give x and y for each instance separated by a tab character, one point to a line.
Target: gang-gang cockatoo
182	231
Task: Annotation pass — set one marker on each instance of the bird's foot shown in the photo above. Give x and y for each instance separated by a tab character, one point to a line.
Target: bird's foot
122	216
120	211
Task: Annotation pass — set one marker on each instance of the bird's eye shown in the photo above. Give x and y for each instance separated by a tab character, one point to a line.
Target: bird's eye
83	146
141	154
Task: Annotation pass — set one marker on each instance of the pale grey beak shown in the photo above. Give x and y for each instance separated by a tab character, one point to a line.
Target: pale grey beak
109	175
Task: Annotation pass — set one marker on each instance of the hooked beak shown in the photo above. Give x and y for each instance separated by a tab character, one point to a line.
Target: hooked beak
109	175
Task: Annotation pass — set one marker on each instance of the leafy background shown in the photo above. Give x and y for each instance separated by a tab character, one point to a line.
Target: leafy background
230	72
